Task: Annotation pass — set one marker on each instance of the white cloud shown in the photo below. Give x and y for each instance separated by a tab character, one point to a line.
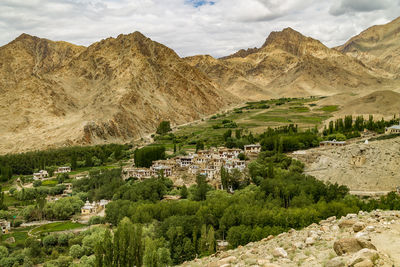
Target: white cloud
216	27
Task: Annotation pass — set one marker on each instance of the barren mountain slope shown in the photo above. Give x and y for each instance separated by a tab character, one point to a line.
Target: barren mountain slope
288	64
114	90
377	47
379	103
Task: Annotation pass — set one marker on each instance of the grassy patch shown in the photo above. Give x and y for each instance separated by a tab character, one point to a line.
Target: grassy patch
56	227
330	108
49	183
20	237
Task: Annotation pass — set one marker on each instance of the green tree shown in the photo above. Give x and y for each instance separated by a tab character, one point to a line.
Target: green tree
76	251
238	134
199	145
201	188
74	162
184	192
164	127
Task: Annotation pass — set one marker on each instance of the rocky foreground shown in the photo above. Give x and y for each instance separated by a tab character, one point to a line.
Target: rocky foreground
359	240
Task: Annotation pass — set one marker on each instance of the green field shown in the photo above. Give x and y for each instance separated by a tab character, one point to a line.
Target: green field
253	117
53	182
331	108
56	227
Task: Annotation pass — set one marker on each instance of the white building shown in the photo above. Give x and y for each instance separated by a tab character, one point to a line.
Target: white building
395	129
5	226
40	175
64	169
252	149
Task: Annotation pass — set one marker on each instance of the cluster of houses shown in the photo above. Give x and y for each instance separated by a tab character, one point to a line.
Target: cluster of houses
44	174
205	162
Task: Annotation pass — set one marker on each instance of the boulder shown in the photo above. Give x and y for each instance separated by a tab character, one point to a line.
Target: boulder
358	226
370	228
298	245
347	223
10	240
310	241
364	255
363	235
279	253
351	245
335	262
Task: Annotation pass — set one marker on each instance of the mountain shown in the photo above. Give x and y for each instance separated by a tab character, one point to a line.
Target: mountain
115	90
377	47
287	64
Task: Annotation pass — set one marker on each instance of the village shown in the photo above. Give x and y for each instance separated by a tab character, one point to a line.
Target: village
183	169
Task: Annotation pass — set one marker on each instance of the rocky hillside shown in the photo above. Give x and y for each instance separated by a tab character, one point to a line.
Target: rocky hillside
359	240
356	165
378	47
287	64
116	90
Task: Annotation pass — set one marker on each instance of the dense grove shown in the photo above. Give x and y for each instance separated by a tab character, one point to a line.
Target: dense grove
146	155
27	163
350	127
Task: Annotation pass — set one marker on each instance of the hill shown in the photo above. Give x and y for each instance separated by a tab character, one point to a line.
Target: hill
116	90
380	103
363	239
378	47
287	64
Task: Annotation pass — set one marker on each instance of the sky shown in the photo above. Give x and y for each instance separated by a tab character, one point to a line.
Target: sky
191	27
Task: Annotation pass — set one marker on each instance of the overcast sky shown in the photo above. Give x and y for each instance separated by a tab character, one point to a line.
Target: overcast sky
215	27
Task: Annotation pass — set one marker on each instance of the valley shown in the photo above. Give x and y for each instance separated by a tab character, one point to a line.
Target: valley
122	153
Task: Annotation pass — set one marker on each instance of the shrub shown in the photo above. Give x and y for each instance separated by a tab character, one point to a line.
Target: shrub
164	127
50	241
3	252
37	183
76	251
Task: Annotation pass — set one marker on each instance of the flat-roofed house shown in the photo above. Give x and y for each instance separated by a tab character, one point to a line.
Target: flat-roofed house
64	169
252	149
332	143
40	175
5	226
90	208
185	161
394	129
161	168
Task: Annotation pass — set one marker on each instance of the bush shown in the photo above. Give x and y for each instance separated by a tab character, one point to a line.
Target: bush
96	220
164	127
50	241
76	251
37	183
3	252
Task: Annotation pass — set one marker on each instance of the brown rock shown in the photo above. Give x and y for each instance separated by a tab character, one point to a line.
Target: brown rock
347	223
358	226
351	245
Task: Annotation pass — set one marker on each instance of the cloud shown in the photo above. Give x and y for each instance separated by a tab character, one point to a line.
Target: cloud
351	6
216	27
